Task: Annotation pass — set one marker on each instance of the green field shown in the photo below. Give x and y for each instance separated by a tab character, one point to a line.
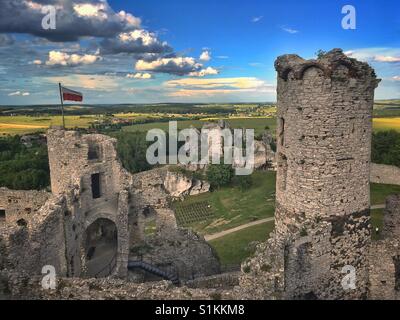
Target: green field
232	207
258	124
379	192
377	222
233	248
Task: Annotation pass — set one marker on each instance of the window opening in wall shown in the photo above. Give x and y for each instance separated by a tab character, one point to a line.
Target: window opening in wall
96	190
94	151
282	131
2	214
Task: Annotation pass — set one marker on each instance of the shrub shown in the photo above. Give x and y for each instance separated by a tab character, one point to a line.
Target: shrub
219	175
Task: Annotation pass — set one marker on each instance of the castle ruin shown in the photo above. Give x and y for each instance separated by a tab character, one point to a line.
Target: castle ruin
322	222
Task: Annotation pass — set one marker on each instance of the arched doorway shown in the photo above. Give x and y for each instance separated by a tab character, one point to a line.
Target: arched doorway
100	244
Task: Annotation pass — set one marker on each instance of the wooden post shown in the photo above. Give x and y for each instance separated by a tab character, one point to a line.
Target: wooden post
62	106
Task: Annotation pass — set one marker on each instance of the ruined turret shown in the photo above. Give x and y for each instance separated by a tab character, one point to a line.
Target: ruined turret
322	221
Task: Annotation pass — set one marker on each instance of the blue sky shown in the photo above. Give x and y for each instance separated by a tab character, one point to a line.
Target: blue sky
119	51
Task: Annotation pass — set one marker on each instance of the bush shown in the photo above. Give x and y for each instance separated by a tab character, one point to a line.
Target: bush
243	182
23	168
219	175
386	147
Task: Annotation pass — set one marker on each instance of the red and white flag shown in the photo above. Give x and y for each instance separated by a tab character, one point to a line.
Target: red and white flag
71	95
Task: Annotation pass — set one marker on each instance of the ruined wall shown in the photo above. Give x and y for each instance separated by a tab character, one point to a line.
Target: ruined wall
323	158
21	204
384	270
86	170
27	247
391	218
382	173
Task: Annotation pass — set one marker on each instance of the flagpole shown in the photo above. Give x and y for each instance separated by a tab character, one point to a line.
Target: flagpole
62	106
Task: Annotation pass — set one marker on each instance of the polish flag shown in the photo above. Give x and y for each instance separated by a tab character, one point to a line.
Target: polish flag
71	95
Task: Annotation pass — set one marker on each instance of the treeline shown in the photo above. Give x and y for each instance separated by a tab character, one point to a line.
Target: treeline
23	168
120	108
386	147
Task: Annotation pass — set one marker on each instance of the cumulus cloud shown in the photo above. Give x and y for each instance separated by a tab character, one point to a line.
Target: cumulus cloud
139	75
175	65
137	41
37	62
204	72
75	19
58	58
19	93
205	56
396	78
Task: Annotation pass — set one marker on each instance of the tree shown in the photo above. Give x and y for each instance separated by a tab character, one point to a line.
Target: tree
219	175
386	147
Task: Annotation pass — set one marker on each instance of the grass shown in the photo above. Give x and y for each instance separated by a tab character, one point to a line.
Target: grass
233	248
233	207
377	222
379	192
258	124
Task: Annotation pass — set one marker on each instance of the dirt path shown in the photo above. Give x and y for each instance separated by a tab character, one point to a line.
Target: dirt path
214	236
378	206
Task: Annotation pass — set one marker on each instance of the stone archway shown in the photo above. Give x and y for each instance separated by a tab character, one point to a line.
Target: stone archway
100	246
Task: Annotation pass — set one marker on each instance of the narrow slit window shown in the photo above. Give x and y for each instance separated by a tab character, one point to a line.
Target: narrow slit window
2	214
96	190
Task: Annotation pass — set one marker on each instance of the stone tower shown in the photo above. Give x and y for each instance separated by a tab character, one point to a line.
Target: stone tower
324	150
322	221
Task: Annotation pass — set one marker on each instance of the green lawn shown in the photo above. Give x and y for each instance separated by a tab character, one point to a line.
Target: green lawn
258	124
376	221
232	207
379	192
234	248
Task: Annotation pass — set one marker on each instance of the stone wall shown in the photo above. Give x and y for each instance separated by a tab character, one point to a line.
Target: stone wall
384	270
323	158
21	204
28	247
382	173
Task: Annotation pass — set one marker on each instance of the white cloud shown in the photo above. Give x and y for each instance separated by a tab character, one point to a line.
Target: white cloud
91	10
58	58
205	56
396	78
386	59
139	75
390	55
257	19
290	30
37	62
19	93
92	82
239	83
178	65
204	72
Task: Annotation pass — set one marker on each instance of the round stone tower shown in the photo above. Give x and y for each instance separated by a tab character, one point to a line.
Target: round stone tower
323	162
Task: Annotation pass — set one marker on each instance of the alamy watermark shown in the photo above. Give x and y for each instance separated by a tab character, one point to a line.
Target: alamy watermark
208	146
49	281
49	21
349	280
349	20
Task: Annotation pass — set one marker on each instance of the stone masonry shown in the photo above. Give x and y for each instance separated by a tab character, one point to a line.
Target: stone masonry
322	221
